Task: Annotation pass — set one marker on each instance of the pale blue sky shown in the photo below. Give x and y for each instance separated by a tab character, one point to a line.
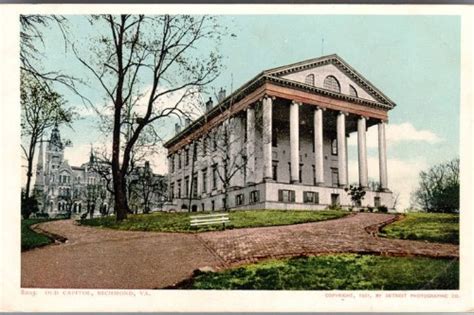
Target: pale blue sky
415	60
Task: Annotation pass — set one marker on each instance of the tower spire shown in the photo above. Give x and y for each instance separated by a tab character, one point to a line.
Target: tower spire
91	156
39	181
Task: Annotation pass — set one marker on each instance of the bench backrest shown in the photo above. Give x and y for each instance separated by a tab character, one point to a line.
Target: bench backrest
206	219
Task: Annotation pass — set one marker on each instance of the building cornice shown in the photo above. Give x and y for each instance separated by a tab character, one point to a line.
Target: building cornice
339	63
272	76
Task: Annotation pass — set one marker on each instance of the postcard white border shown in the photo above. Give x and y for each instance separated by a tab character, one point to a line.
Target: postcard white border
13	298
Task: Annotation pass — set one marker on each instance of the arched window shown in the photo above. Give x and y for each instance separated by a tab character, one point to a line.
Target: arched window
352	91
309	79
331	83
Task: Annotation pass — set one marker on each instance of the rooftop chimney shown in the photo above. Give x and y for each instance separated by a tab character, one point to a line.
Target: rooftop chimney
209	105
221	95
177	128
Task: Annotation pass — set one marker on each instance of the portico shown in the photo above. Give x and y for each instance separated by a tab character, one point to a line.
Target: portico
294	122
340	123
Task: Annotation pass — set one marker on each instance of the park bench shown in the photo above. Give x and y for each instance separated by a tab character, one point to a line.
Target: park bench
209	219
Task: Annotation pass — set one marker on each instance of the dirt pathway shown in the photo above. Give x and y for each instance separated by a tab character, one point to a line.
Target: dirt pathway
104	258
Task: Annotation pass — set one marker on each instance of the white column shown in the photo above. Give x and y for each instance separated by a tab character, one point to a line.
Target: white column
318	146
267	138
362	152
294	142
347	159
341	148
250	145
382	157
170	174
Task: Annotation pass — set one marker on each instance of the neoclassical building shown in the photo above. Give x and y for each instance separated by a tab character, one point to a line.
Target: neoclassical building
280	142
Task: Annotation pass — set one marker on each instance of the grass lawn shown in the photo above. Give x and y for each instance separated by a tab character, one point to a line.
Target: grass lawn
433	227
179	222
31	239
335	272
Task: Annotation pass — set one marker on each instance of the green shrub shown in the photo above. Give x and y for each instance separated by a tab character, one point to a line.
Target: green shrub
382	209
28	206
336	207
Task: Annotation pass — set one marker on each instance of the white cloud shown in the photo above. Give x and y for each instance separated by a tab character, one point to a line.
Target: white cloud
76	155
402	176
395	133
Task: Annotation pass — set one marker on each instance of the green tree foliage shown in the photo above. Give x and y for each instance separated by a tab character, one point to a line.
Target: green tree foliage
29	205
41	109
357	193
438	189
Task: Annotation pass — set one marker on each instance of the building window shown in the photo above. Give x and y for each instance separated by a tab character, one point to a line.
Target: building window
314	174
204	146
204	180
186	186
285	195
186	157
275	170
335	177
254	196
289	171
335	199
239	199
275	138
300	175
310	197
172	163
179	189
195	186
377	202
331	83
309	79
179	160
214	141
171	191
334	146
214	176
194	152
352	91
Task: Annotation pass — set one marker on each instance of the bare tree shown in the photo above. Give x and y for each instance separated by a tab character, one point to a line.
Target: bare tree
41	109
32	29
228	154
141	61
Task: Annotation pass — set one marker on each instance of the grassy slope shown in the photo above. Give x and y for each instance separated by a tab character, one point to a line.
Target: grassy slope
179	222
31	239
433	227
341	272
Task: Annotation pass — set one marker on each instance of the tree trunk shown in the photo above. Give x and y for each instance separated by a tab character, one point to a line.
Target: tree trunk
120	199
29	172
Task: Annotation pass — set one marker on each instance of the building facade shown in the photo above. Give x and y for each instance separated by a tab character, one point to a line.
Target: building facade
280	142
64	189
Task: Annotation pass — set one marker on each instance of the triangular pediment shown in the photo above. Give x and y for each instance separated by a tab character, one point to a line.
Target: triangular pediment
65	167
316	72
